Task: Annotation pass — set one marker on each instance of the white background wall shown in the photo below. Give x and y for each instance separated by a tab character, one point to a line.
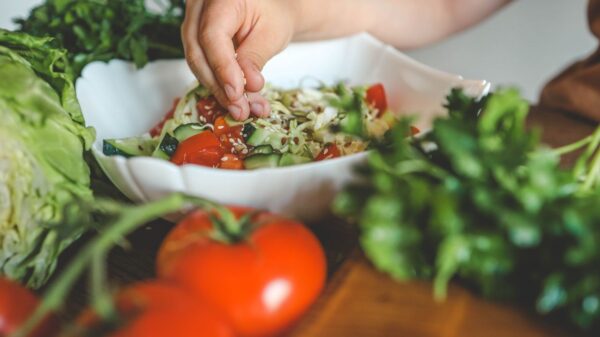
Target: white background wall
524	45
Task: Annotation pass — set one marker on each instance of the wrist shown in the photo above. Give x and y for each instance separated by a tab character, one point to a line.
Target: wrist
318	19
300	16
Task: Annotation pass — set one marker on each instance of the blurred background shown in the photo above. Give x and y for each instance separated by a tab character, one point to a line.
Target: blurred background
524	45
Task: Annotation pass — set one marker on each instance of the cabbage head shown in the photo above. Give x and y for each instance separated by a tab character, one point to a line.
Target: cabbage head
44	180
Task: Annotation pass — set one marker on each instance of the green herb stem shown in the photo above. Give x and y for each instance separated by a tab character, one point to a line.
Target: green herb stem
573	146
581	165
101	301
129	219
593	174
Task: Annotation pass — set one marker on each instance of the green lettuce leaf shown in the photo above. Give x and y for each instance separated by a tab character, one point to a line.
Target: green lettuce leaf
44	180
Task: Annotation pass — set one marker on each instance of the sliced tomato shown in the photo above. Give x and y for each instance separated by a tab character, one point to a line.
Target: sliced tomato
158	128
209	109
221	126
202	149
329	152
230	136
414	130
231	162
376	97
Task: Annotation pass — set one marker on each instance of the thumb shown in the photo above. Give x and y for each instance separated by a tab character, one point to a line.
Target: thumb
254	52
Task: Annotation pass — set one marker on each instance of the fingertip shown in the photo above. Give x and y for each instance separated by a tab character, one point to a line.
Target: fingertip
233	94
257	109
259	106
245	113
239	110
266	109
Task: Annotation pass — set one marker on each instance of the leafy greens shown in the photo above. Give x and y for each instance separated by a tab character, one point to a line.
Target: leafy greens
102	30
479	200
44	181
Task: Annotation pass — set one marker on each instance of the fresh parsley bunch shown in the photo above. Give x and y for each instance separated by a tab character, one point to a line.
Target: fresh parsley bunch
101	30
479	199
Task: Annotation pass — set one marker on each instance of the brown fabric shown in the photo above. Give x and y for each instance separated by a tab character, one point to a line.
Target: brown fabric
577	89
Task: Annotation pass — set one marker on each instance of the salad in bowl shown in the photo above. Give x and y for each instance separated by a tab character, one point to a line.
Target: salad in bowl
285	163
305	125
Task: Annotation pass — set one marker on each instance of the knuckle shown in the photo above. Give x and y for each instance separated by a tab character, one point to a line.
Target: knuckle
205	36
194	60
220	69
256	59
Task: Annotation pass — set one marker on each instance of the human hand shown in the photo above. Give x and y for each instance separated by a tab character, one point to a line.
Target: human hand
227	43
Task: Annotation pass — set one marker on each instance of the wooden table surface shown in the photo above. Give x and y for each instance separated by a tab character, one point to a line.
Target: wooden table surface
358	300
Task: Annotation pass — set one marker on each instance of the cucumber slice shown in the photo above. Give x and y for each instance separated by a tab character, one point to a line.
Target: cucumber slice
289	159
258	161
263	136
258	137
166	148
128	147
247	131
186	131
263	149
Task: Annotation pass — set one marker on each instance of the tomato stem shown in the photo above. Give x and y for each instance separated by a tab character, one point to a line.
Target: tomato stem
227	228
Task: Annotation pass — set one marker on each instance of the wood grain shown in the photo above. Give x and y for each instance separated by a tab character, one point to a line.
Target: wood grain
364	302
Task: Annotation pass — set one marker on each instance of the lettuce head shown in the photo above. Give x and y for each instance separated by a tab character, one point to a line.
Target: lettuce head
44	180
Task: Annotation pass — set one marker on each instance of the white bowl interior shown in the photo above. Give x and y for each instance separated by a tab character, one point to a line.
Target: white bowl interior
121	101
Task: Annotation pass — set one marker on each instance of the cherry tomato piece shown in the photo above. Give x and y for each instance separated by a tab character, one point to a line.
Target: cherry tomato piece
202	149
17	304
230	136
209	109
231	162
261	284
376	97
329	152
414	130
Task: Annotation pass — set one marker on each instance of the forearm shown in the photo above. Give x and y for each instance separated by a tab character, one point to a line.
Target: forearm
402	23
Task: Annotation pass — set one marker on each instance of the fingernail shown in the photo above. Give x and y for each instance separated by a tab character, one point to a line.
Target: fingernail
267	110
257	109
230	92
235	111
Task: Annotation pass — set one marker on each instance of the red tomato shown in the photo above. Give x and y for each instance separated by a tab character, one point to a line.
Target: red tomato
228	135
158	128
377	98
158	309
202	149
262	283
330	151
209	109
16	306
414	130
231	162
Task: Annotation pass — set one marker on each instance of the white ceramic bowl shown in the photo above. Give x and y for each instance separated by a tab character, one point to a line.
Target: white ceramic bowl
120	101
